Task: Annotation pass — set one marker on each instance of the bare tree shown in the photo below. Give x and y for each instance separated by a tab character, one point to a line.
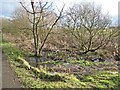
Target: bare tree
88	26
38	17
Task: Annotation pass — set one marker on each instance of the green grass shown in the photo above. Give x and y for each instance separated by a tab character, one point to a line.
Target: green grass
82	62
78	62
49	80
45	79
103	80
87	63
11	51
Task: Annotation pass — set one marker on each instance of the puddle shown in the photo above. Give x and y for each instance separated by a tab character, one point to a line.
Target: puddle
32	60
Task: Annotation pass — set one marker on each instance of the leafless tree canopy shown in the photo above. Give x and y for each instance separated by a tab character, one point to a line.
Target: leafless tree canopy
41	17
88	25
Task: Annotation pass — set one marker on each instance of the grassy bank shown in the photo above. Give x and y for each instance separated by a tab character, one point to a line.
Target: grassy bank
41	78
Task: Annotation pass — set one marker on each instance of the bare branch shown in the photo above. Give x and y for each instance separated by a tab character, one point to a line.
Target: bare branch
25	8
26	28
51	29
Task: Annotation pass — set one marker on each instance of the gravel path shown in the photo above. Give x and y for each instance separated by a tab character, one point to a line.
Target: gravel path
9	78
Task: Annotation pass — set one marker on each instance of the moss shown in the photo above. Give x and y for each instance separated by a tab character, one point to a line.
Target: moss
42	74
107	83
25	64
50	77
89	78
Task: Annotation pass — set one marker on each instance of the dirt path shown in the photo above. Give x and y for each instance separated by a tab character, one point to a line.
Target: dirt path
9	79
0	69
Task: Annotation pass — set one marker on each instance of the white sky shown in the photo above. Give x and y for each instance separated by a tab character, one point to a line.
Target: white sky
107	5
110	6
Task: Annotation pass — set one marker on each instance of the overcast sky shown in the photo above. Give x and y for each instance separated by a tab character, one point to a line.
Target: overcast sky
111	6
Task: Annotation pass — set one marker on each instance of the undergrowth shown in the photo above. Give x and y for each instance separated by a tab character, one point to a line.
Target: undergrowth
49	80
